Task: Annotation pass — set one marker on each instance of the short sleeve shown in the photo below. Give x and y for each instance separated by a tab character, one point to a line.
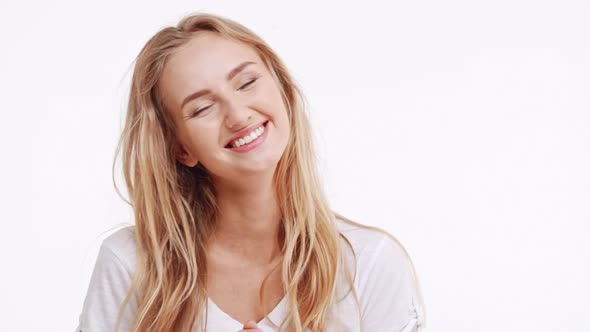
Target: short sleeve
389	296
109	285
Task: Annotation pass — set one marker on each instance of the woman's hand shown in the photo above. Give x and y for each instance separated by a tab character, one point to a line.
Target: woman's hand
250	326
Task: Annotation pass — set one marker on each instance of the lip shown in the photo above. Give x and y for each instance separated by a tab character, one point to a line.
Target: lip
255	143
245	132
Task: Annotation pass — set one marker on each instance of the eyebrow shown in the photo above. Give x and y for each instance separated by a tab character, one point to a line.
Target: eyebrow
229	76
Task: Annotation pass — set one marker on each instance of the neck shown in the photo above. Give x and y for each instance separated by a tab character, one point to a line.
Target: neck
249	221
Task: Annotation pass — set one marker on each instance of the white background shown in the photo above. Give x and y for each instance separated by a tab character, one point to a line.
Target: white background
459	126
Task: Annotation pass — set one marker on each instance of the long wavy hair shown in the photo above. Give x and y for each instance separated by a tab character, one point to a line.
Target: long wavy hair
175	206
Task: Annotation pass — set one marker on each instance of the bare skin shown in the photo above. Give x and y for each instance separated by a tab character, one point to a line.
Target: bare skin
245	246
250	326
243	252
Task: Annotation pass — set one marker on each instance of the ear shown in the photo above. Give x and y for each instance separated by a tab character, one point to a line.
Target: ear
185	158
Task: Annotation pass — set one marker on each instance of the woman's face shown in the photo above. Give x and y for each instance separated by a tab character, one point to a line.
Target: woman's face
227	107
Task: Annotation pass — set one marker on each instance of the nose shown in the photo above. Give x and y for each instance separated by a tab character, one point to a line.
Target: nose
237	115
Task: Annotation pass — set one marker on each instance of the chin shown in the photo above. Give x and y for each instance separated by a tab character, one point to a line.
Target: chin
262	166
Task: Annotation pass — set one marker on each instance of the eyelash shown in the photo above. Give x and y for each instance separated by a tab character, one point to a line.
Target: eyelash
250	82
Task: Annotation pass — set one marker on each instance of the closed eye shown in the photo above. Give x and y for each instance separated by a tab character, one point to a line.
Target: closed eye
248	84
197	112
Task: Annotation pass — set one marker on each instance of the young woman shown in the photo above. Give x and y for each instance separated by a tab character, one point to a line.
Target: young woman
232	229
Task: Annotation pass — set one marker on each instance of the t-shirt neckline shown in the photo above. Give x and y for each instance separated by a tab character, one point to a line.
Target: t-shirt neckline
276	314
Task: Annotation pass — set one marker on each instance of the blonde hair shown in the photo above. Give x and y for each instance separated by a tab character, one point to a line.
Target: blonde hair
175	206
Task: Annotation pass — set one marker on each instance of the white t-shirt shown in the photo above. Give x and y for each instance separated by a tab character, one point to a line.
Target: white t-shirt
385	286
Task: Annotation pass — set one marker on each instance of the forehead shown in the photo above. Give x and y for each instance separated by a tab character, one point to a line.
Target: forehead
202	63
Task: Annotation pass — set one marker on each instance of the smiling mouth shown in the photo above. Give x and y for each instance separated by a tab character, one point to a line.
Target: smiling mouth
247	139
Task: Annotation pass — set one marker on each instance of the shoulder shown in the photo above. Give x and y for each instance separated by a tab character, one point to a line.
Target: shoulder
110	282
121	247
371	244
385	280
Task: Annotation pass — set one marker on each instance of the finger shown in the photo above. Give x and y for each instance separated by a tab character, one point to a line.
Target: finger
251	326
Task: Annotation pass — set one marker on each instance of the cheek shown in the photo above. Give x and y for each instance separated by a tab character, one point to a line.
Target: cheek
201	138
270	101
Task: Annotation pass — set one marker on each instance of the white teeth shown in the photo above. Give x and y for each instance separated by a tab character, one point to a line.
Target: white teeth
248	138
